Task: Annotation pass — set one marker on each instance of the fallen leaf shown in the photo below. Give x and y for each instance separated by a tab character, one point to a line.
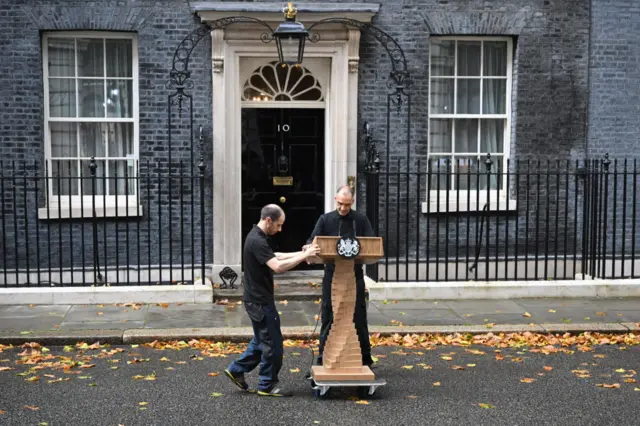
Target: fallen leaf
412	397
527	380
486	406
612	386
3	412
636	389
446	358
316	317
92	384
134	346
630	380
216	394
587	318
499	357
164	359
32	379
407	367
547	368
164	305
471	365
25	332
6	368
599	356
43	424
620	370
100	313
32	407
457	367
362	402
526	314
601	314
552	310
213	374
143	403
294	370
436	384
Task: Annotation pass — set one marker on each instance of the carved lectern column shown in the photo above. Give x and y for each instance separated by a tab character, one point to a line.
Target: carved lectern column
342	357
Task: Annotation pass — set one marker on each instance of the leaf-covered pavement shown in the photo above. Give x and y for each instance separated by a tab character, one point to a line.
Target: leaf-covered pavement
485	379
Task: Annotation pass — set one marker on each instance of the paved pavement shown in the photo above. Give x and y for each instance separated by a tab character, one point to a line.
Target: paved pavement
441	385
112	322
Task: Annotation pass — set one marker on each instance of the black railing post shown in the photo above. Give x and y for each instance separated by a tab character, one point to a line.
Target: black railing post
96	257
201	167
372	191
605	207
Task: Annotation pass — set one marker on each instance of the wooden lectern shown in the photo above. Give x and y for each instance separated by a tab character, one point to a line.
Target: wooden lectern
342	358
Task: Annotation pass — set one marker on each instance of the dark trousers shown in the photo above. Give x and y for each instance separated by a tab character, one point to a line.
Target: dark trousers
359	316
266	346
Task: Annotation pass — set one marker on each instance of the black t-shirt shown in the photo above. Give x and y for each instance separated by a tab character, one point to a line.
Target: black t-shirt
258	277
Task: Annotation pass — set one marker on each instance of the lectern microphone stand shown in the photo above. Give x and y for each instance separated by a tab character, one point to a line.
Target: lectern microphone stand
342	357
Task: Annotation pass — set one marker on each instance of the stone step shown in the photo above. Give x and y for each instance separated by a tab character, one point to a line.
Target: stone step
286	289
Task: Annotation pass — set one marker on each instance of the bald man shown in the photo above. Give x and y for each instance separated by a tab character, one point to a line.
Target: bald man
260	262
344	221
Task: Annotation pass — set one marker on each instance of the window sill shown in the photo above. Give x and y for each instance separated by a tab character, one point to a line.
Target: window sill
77	212
454	207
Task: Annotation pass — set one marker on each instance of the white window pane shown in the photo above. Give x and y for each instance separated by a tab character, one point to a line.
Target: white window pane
93	186
466	135
64	175
469	58
441	91
492	136
92	139
62	97
494	95
440	135
468	101
90	57
120	139
443	54
466	177
64	139
61	52
91	98
495	58
121	172
120	98
440	176
119	58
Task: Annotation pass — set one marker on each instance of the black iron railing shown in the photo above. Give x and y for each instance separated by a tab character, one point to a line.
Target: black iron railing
73	223
482	219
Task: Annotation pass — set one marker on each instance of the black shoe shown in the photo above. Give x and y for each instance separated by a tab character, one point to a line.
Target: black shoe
238	380
319	361
274	391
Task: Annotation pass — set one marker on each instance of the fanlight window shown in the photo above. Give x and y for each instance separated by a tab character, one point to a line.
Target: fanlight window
272	82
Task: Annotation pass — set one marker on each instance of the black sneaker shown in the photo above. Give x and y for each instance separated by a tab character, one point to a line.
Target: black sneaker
274	391
238	380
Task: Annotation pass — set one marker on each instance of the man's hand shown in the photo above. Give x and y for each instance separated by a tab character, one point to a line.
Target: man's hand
304	247
311	250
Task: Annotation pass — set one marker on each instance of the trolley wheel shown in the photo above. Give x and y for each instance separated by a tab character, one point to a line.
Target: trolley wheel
362	392
317	393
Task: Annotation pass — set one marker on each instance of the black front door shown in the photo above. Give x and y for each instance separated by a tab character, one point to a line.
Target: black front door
283	164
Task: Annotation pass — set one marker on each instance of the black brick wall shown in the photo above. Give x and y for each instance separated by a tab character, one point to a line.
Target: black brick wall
572	60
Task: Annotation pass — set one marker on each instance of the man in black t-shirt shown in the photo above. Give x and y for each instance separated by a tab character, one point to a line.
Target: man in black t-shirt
344	221
260	262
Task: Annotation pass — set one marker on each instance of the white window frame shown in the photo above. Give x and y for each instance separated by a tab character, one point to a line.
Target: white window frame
77	206
436	201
